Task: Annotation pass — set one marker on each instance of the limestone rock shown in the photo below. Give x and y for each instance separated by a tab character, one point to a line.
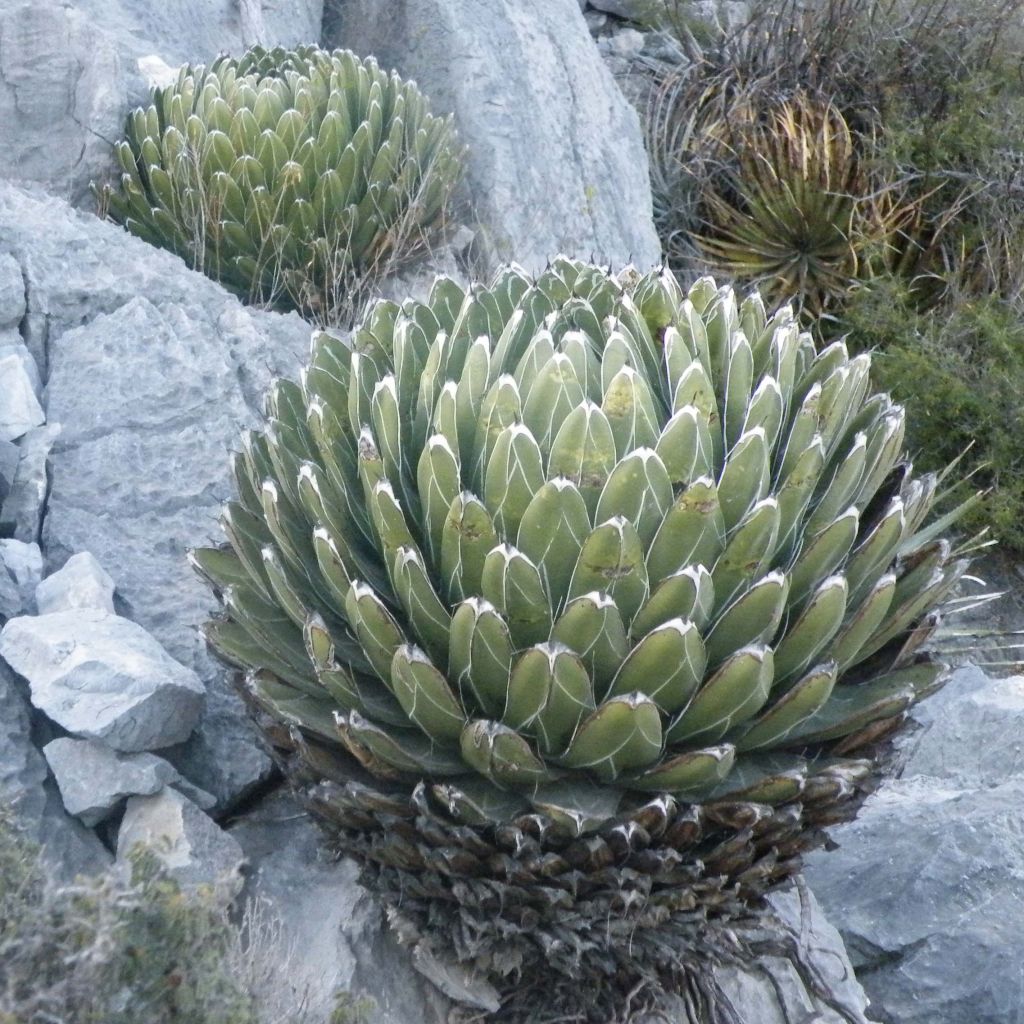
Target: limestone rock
94	781
22	512
21	568
331	919
156	370
555	159
81	583
69	73
103	677
69	849
12	292
20	410
927	886
193	848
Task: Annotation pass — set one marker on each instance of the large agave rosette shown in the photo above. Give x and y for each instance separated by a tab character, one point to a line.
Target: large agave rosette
609	590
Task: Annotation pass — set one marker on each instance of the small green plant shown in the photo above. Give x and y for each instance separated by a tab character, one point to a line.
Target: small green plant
960	366
605	593
293	177
110	951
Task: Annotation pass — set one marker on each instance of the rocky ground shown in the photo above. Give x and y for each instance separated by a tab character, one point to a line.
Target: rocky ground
125	378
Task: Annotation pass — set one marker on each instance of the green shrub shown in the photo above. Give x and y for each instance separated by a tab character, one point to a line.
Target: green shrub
107	951
293	177
960	369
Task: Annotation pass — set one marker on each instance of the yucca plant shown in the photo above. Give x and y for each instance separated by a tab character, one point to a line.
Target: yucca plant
288	175
576	608
793	206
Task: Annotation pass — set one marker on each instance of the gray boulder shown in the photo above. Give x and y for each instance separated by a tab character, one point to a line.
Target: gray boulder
80	583
94	781
12	293
156	371
193	848
20	410
927	886
330	919
22	512
555	159
21	568
70	73
103	677
69	849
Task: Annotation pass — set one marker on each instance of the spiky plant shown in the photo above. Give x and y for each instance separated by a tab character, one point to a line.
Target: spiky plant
286	174
792	205
577	608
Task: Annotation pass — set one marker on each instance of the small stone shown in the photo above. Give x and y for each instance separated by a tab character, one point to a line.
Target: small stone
631	10
626	43
81	583
22	512
94	780
193	848
20	410
103	677
596	21
11	344
9	455
21	568
12	291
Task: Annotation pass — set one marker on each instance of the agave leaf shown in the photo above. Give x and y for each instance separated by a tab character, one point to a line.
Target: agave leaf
687	594
220	567
748	551
480	655
583	451
693	532
577	807
286	704
765	410
639	490
592	626
551	533
475	801
624	733
550	397
502	755
800	702
467	537
548	693
402	753
515	473
694	388
375	627
822	554
630	410
752	618
875	552
667	665
685	447
813	629
512	583
688	775
764	778
439	484
425	695
427	613
738	381
738	689
612	561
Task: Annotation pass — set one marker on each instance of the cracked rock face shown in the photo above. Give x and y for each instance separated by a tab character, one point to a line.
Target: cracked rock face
70	73
555	158
927	886
154	371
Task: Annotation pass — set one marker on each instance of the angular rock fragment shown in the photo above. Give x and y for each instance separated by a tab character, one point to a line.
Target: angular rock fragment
104	677
190	845
81	583
95	780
